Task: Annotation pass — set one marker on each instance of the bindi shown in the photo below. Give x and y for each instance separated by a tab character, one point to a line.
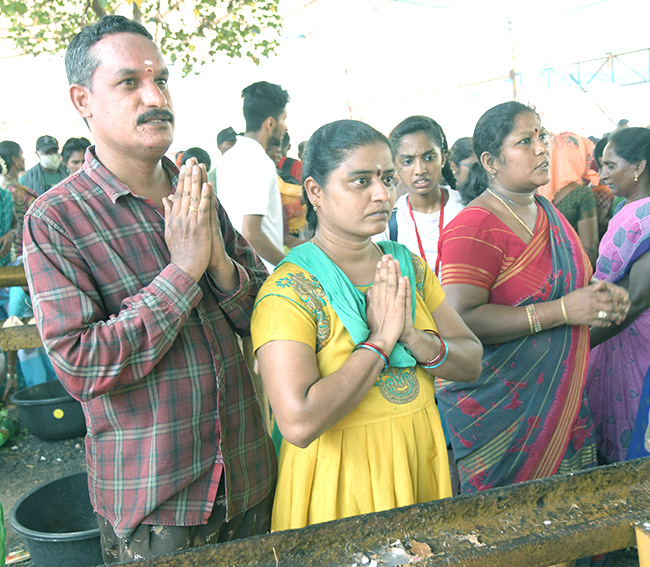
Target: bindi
378	170
148	63
537	132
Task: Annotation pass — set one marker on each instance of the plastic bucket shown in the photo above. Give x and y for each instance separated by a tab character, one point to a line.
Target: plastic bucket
49	412
58	524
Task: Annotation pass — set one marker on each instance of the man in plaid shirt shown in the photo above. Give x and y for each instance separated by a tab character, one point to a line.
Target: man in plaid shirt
140	286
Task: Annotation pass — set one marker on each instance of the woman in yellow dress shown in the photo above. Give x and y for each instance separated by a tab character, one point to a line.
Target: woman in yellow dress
348	336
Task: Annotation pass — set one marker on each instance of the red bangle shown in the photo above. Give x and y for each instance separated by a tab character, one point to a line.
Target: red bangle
373	347
442	354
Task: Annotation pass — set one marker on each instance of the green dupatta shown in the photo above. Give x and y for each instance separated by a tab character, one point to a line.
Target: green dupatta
348	302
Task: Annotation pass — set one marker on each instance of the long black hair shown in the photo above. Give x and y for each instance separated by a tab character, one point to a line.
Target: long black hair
328	148
436	134
632	144
490	131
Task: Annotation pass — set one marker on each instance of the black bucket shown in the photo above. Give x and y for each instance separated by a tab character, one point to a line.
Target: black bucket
58	524
49	412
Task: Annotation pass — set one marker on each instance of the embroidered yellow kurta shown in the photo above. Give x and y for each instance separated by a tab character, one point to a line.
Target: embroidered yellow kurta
390	450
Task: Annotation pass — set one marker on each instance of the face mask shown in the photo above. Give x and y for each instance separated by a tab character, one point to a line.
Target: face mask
51	161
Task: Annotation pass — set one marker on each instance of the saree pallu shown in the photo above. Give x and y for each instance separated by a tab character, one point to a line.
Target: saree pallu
619	365
526	417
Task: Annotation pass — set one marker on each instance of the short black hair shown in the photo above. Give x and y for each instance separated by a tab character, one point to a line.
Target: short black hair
262	100
80	63
301	148
286	140
201	156
73	145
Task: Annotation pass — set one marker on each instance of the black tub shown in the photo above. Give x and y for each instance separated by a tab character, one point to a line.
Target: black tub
58	524
49	412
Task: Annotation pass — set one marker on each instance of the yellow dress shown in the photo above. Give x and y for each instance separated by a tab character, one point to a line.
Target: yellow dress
390	451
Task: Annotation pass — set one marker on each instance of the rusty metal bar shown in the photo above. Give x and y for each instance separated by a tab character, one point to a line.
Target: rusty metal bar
22	336
14	338
537	524
12	276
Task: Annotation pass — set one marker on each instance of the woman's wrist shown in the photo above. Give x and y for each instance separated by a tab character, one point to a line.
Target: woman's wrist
440	356
411	339
549	314
422	344
367	345
383	344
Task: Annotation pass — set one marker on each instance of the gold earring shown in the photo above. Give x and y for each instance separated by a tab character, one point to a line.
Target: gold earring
315	205
636	178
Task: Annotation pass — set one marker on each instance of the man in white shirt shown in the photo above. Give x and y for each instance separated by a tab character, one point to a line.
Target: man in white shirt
247	178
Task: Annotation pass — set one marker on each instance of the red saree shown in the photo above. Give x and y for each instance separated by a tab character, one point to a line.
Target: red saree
527	416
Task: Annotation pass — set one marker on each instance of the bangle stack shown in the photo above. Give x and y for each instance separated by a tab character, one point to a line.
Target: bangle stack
376	349
440	358
534	323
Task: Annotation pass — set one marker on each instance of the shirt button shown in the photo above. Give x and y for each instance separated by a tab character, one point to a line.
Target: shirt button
217	357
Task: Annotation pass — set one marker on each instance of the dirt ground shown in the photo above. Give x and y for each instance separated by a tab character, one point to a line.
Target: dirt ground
26	462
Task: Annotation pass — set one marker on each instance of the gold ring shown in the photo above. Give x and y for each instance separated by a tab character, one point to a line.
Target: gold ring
193	209
602	314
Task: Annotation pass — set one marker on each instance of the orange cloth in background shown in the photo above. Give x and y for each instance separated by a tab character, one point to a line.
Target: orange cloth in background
570	158
296	211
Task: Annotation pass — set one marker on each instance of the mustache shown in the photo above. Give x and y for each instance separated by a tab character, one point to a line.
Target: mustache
155	114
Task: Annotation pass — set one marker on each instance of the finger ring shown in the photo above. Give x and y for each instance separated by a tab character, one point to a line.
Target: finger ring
193	209
602	314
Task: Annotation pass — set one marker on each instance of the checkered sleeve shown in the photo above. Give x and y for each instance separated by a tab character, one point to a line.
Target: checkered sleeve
94	352
238	303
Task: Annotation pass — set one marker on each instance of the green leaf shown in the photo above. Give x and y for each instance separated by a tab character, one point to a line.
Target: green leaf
233	28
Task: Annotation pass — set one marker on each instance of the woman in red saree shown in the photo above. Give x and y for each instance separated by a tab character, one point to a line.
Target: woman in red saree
516	272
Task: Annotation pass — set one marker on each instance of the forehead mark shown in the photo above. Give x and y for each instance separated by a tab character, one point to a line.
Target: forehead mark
148	63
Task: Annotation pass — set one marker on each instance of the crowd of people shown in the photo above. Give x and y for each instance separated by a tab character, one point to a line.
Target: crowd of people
387	320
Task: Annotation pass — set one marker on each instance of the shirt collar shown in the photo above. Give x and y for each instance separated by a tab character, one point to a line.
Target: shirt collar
110	184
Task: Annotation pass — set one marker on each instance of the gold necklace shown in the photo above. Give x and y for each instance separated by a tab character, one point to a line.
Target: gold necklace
513	213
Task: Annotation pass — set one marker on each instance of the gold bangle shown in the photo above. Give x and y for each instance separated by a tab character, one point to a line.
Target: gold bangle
530	319
536	321
566	317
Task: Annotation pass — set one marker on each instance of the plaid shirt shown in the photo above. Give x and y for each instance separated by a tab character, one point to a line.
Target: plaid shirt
152	356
